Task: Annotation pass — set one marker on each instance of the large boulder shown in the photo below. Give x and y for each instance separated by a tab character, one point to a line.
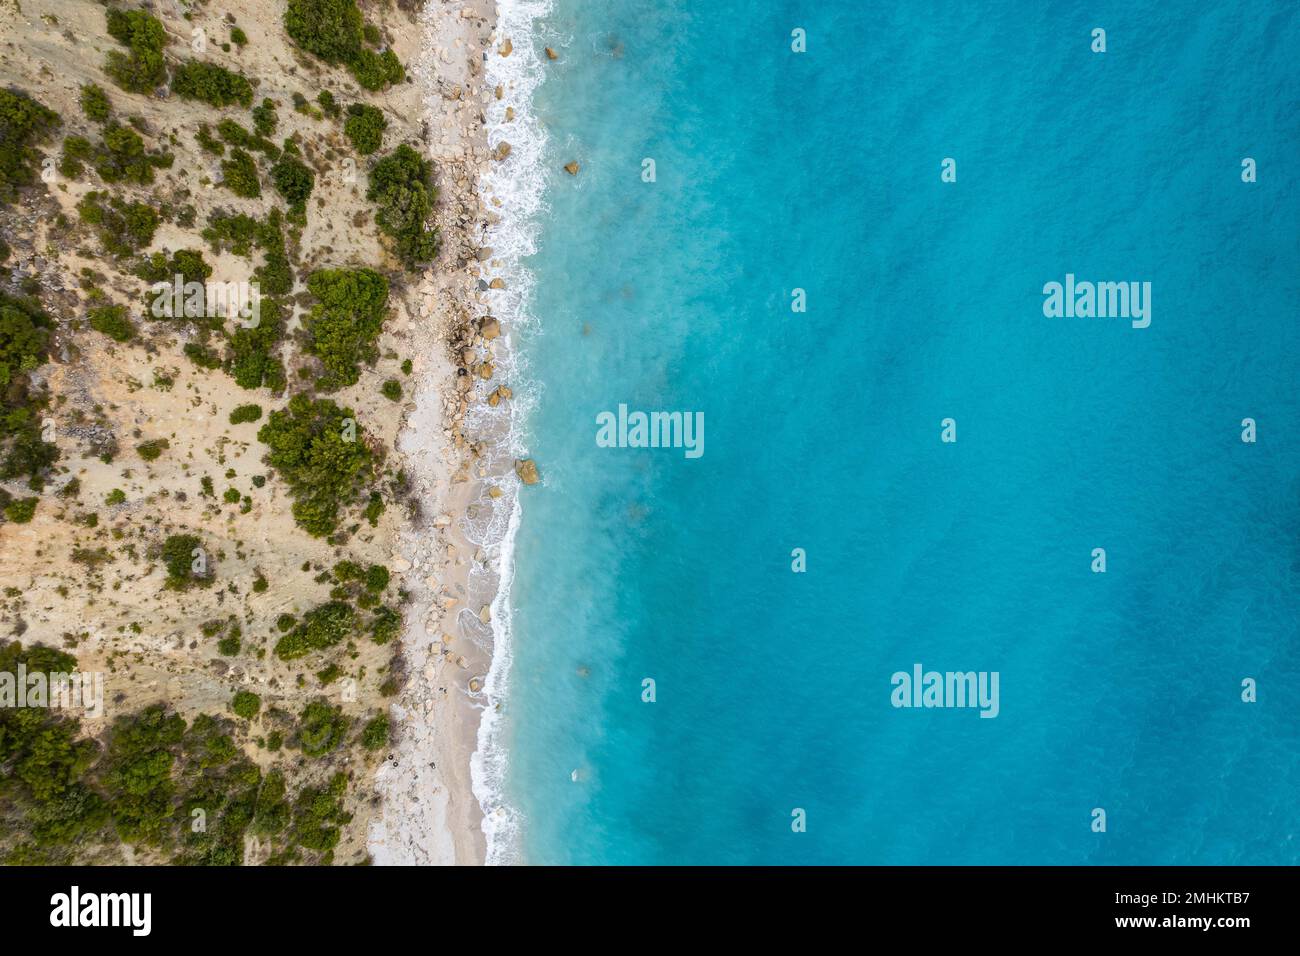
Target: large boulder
527	471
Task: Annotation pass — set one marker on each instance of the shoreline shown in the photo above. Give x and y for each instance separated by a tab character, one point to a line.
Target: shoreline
441	786
514	182
429	812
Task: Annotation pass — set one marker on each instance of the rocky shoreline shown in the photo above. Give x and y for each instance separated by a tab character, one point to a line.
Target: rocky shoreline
428	812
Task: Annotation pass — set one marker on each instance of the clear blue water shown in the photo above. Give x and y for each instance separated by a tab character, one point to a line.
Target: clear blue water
821	171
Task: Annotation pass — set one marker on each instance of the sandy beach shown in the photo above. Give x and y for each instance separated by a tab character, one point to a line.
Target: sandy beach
429	814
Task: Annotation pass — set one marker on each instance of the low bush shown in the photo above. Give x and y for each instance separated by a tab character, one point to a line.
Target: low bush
402	185
212	84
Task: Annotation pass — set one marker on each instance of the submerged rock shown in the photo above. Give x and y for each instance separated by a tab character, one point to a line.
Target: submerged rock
572	168
527	471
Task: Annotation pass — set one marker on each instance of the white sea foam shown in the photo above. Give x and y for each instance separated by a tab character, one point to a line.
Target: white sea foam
519	184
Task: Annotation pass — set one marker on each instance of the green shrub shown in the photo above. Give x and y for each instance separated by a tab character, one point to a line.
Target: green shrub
374	508
252	362
321	728
365	128
231	496
123	227
212	84
274	275
375	734
229	646
294	181
23	124
317	449
272	812
392	390
179	557
24	346
334	31
187	264
374	70
77	151
376	578
264	118
242	233
24	339
142	69
235	134
402	185
20	510
239	175
112	321
124	158
245	413
347	571
331	29
245	704
152	450
208	142
329	674
385	625
95	103
121	157
115	497
141	754
201	355
237	232
327	103
321	627
238	37
316	813
345	322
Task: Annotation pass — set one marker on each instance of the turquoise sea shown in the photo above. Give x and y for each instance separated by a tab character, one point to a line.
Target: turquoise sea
820	171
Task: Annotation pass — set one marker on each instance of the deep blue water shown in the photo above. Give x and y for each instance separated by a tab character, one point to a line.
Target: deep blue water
821	171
